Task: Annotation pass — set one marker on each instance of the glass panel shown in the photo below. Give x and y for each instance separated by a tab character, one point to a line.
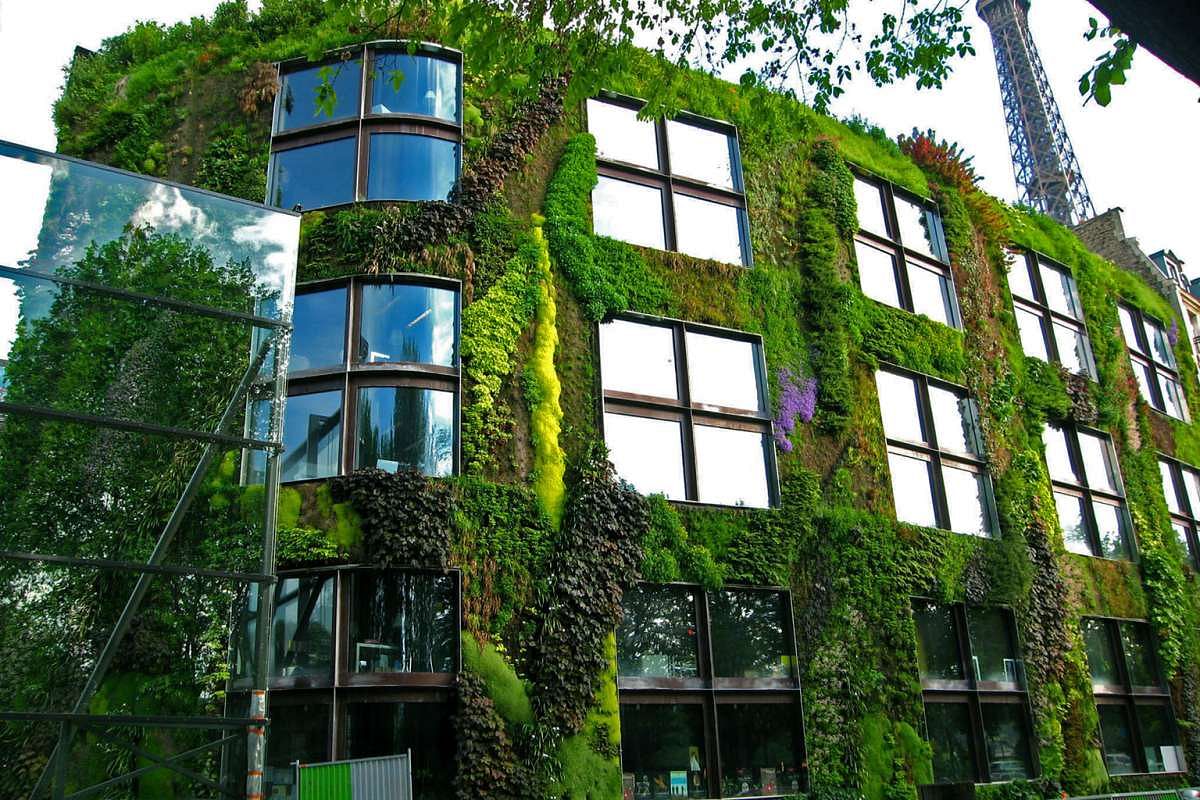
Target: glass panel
1101	656
1060	292
1005	730
407	322
662	750
1160	347
1111	525
1072	349
312	436
1168	485
937	642
869	199
1172	396
657	637
930	293
314	176
319	337
621	136
723	371
1139	654
707	230
758	749
647	453
1159	743
1129	329
1146	379
402	622
993	651
628	211
1058	459
912	490
1099	462
949	728
1070	519
749	638
637	358
302	639
299	92
915	227
877	274
405	166
1118	742
415	84
952	420
898	406
1191	487
406	427
701	154
967	499
1033	337
1181	535
382	729
298	733
1018	277
731	466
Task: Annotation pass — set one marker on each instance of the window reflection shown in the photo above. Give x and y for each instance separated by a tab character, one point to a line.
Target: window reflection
402	622
937	642
1110	526
748	638
705	229
1159	742
869	200
1097	466
1005	729
930	293
912	490
1073	350
1058	457
898	405
658	636
407	323
628	211
621	136
953	420
994	653
382	729
415	84
758	749
302	635
319	330
638	358
405	166
298	733
1139	654
647	453
299	91
1060	292
701	154
916	228
406	427
315	175
662	748
312	436
1033	336
731	466
1070	520
1018	277
1118	741
877	274
723	371
966	500
949	729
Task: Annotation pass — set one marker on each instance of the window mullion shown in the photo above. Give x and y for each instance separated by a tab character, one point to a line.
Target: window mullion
683	389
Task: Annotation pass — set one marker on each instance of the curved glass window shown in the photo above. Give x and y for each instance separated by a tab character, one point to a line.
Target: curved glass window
401	427
405	166
319	330
314	175
324	93
402	622
312	436
415	84
407	323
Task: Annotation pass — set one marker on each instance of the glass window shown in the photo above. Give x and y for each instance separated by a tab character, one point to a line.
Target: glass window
917	229
1073	349
621	136
877	274
731	466
1090	501
312	436
1168	482
1052	328
1102	660
406	427
1191	488
1097	466
953	420
898	403
1185	507
382	729
628	211
402	622
1060	291
639	359
1006	731
298	733
301	94
871	213
302	639
1070	520
1139	654
948	726
1118	741
662	748
1159	742
415	84
993	651
315	175
1033	336
701	154
758	749
930	293
748	634
1110	526
708	230
319	330
407	323
647	453
912	489
937	642
1160	348
967	501
406	166
723	371
1018	277
1153	362
657	637
1058	455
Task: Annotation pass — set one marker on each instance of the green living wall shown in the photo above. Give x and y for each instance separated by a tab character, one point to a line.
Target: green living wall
537	506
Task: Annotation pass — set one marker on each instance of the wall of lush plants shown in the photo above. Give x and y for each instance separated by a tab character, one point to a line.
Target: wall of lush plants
544	535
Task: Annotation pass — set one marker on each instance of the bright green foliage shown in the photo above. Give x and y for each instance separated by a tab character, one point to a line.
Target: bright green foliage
549	463
505	689
667	553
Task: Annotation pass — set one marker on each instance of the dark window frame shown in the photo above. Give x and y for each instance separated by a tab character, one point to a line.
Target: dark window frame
931	451
1078	488
1187	516
1039	306
669	183
1141	355
974	693
683	410
1129	696
710	692
904	257
364	122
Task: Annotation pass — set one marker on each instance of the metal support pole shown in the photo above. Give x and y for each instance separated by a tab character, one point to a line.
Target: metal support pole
59	761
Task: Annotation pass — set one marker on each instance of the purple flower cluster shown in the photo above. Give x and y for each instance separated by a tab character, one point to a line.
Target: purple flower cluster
1173	333
797	399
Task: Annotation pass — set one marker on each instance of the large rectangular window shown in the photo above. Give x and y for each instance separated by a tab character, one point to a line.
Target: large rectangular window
699	668
901	252
1049	313
1181	488
700	433
935	454
671	185
1153	361
1137	724
976	709
1088	493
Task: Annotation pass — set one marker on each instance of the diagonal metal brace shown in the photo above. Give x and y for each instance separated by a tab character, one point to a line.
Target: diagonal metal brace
159	762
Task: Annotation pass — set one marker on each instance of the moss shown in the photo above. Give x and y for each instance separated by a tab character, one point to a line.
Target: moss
506	690
591	767
549	463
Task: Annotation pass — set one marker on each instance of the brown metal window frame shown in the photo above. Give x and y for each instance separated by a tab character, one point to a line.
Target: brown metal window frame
1187	516
689	414
1039	306
669	183
710	691
1141	354
364	122
974	693
904	257
1131	697
1080	488
931	451
350	376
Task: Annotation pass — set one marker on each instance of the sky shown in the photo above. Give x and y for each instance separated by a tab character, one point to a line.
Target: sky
1139	153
